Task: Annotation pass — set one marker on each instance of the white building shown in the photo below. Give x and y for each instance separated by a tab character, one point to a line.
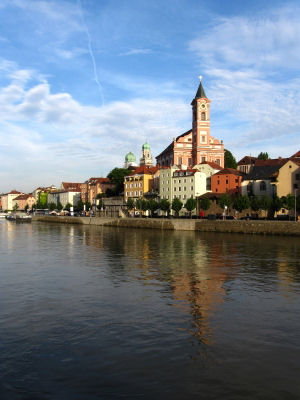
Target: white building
64	197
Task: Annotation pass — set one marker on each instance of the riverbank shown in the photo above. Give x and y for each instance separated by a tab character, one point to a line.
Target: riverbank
282	228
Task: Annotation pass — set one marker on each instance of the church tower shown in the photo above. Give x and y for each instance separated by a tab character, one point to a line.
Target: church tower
146	158
204	146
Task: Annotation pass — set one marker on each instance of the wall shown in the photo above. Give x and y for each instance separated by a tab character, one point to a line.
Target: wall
282	228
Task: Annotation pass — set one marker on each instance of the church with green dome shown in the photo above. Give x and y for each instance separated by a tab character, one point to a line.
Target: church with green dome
146	159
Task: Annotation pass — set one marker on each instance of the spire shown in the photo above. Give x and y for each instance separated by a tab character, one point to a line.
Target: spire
200	92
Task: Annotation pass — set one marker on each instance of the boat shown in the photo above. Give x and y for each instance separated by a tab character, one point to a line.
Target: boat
3	214
19	218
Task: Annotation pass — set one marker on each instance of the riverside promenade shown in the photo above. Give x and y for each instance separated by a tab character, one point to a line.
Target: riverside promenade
281	228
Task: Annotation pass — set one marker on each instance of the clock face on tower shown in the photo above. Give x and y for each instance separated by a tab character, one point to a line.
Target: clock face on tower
203	106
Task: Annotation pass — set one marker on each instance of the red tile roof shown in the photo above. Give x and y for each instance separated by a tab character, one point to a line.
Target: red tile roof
71	186
212	164
228	171
144	169
274	161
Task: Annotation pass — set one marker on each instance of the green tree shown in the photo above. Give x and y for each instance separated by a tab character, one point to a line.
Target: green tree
225	200
52	206
26	208
275	206
177	206
116	176
164	205
190	205
263	156
79	206
68	206
59	206
87	205
229	160
265	203
205	203
288	202
153	206
15	207
241	203
130	203
255	203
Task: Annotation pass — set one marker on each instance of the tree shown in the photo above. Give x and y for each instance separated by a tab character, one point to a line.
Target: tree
254	203
153	206
288	202
116	176
68	206
190	205
263	156
130	203
225	200
26	208
52	206
164	205
265	203
177	206
15	207
229	160
241	203
205	203
79	206
275	206
59	206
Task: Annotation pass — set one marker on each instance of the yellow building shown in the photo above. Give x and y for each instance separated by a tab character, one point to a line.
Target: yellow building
138	183
288	178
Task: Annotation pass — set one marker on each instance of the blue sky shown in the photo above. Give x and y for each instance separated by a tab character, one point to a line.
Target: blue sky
83	82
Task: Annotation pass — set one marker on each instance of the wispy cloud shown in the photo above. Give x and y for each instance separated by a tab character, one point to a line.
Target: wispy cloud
133	52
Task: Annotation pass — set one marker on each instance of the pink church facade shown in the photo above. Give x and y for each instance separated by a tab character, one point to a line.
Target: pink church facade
196	145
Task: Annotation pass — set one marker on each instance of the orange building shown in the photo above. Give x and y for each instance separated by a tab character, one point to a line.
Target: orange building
24	200
92	187
228	180
196	145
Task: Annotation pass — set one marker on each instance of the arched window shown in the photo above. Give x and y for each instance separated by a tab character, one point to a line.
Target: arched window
262	186
203	116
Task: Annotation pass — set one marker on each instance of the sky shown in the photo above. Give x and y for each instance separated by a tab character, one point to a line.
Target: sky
83	82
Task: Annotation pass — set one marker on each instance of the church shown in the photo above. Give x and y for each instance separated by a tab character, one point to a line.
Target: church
196	145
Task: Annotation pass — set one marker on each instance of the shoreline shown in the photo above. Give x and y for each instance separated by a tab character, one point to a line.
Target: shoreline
277	228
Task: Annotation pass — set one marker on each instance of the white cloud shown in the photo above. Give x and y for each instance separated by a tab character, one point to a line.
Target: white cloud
42	130
133	52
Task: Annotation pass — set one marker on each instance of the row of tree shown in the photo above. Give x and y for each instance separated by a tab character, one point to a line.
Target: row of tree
152	205
257	203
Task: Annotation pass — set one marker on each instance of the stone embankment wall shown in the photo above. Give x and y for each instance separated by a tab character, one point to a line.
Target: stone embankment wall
283	228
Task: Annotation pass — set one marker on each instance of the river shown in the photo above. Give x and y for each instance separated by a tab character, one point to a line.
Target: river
107	313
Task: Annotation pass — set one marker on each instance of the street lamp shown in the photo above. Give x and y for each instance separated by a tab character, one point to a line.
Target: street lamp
295	205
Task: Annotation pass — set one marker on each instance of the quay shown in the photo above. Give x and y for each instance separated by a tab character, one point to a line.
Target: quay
281	228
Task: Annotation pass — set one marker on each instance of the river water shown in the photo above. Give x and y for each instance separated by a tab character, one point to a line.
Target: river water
108	313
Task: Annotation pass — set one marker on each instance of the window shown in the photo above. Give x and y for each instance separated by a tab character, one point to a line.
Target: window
297	177
184	188
174	181
141	192
179	197
179	160
295	185
189	160
179	181
262	186
203	138
203	116
218	161
179	188
174	189
218	182
226	181
192	188
203	159
236	181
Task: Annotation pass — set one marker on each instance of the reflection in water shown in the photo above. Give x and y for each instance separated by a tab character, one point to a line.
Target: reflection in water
93	312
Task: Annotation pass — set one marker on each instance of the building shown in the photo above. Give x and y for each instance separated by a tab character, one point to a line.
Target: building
246	163
196	145
261	180
188	183
139	182
130	161
92	187
287	178
7	200
64	197
24	201
228	180
146	158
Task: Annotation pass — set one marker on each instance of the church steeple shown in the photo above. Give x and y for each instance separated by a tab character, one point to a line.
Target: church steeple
200	92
